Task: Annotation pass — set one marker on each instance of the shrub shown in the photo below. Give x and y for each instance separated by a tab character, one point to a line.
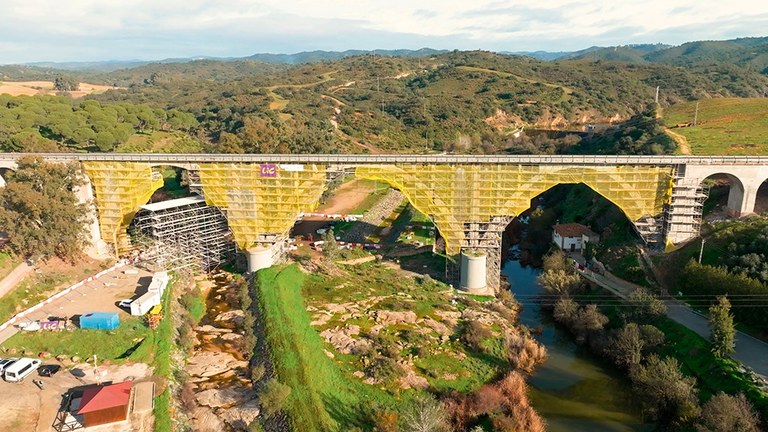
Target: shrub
273	397
474	334
666	392
524	353
725	413
425	414
257	372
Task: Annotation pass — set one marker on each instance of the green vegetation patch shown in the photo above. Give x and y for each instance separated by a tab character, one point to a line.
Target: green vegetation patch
714	374
725	126
322	398
116	345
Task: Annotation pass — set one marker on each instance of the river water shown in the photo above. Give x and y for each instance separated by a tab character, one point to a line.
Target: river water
572	390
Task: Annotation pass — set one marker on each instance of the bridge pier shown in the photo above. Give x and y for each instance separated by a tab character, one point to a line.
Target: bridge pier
684	212
484	238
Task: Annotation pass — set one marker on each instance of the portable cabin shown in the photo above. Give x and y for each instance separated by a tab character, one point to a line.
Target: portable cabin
104	404
99	320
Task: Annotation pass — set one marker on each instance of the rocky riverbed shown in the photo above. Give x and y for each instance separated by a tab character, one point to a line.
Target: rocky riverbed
218	369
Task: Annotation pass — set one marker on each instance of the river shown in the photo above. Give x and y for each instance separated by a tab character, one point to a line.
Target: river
572	390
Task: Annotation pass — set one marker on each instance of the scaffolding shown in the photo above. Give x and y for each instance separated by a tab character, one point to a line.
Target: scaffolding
120	188
262	201
457	195
182	233
683	215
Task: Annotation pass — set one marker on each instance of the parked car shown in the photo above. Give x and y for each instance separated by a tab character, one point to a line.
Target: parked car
48	370
321	231
4	363
125	303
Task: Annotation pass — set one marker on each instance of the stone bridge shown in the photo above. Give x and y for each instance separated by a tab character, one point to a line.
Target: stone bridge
471	199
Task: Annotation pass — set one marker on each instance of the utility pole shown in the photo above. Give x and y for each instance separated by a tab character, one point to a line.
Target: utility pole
701	251
696	115
657	95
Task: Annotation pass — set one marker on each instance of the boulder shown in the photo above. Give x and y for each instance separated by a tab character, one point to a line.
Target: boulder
386	317
219	398
236	317
240	416
206	364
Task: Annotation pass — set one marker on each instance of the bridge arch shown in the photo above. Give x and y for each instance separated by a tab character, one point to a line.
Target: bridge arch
735	202
761	202
455	195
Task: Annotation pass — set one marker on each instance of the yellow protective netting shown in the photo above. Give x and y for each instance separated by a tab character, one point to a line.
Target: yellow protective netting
120	188
257	203
457	194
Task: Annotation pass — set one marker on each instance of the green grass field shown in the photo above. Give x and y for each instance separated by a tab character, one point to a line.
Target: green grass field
726	126
322	398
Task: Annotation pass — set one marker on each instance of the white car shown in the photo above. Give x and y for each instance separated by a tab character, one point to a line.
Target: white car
125	303
322	231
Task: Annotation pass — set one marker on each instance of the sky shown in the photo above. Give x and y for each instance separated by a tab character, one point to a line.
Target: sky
96	30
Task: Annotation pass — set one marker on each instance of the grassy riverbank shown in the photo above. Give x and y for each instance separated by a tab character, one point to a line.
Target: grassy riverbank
321	398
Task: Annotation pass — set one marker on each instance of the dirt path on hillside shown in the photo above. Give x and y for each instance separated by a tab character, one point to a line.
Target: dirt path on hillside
681	141
347	197
14	278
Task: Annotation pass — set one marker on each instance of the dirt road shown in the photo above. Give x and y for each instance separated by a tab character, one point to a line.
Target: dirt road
14	278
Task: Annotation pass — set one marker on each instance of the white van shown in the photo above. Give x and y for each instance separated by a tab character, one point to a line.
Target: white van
20	369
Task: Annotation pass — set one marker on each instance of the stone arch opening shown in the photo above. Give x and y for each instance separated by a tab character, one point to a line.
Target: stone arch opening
724	196
761	201
176	228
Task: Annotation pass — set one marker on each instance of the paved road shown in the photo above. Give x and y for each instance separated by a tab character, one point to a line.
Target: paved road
749	351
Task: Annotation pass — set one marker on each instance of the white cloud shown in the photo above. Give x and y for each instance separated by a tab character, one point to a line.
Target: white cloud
71	30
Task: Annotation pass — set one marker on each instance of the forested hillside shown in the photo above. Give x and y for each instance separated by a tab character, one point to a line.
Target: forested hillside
54	123
465	102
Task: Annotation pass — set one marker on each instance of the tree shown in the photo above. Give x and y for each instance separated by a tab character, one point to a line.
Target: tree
62	83
557	260
721	328
629	343
669	395
425	414
40	210
725	413
559	282
565	310
587	320
330	247
644	306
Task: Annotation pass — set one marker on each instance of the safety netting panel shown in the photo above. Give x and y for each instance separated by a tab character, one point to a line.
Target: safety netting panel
120	189
262	199
456	194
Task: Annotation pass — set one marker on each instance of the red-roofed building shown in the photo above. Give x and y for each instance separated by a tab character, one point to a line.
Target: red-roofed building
573	237
105	404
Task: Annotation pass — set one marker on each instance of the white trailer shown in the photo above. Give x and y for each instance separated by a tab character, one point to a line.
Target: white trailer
143	304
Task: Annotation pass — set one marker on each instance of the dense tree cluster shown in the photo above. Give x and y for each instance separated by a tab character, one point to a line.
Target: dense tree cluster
711	281
39	210
53	123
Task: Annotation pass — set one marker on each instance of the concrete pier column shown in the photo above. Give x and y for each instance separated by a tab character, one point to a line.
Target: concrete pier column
264	255
742	202
97	247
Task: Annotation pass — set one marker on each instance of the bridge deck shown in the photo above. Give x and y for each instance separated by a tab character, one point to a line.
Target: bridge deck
156	158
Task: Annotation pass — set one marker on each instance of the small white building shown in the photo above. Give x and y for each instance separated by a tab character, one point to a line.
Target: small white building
573	237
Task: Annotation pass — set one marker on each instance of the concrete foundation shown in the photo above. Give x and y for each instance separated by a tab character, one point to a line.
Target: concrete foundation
260	257
473	277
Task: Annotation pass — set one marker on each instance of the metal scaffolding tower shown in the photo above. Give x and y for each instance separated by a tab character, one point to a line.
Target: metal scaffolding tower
181	233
